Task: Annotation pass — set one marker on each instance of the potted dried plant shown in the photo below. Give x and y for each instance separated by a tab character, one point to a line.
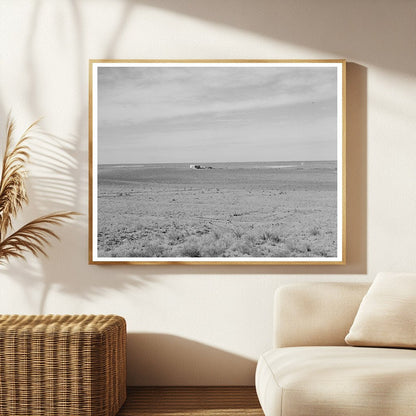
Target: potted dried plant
34	236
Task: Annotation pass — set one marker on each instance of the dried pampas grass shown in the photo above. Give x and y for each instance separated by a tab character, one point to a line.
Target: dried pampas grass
34	236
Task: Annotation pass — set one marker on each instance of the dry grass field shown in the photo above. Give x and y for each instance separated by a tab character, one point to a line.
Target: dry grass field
232	210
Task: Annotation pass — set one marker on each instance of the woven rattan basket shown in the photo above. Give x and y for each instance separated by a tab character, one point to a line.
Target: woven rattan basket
52	365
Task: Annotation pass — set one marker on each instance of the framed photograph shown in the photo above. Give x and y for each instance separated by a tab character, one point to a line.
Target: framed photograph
217	162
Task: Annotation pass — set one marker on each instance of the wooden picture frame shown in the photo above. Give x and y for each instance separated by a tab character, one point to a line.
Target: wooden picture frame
217	162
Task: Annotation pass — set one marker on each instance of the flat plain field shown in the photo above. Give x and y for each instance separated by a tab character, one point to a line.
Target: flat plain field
266	209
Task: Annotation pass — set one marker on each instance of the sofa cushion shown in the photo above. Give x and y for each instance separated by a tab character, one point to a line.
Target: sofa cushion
342	381
387	314
315	314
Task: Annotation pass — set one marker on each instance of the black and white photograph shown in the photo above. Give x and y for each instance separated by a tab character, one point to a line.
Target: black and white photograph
217	162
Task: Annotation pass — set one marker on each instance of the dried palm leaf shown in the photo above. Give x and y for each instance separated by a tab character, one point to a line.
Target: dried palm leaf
32	237
12	183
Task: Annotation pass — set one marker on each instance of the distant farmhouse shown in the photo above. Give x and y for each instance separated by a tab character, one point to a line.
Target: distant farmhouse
199	167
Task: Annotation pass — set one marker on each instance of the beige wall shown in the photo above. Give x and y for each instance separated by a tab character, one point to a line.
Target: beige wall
205	325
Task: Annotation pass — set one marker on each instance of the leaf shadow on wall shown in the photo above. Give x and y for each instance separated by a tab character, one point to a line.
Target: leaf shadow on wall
59	181
336	27
164	359
54	187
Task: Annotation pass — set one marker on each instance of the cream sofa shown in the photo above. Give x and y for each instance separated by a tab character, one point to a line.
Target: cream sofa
312	371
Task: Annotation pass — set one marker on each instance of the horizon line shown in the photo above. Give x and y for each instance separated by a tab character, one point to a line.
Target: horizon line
200	163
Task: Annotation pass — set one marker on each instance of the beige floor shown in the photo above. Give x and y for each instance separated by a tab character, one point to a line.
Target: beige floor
195	401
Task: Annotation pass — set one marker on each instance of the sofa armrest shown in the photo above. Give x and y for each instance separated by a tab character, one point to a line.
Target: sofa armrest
315	313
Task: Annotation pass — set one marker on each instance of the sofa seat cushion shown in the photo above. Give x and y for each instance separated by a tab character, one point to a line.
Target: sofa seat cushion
341	381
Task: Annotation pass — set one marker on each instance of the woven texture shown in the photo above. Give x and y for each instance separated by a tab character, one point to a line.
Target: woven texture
54	365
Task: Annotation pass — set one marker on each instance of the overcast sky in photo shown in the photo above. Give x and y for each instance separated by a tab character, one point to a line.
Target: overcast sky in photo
216	114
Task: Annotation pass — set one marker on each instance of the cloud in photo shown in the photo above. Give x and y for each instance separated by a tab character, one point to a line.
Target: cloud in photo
216	114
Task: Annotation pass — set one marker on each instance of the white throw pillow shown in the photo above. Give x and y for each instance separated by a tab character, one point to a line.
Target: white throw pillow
387	314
